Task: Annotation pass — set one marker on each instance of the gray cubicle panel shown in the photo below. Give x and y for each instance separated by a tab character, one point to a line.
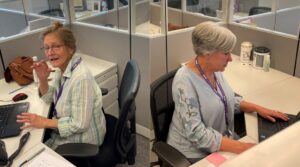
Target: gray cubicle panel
283	49
175	16
192	19
180	48
13	22
178	17
157	57
278	21
105	43
120	18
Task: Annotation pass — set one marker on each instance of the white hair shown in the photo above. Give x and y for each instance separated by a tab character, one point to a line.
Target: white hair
209	37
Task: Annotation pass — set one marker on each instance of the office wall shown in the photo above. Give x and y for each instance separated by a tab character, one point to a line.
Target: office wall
157	57
284	20
288	20
120	18
105	43
283	49
12	22
192	19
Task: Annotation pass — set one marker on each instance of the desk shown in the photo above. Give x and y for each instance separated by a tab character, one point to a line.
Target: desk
274	90
101	70
283	96
280	150
244	79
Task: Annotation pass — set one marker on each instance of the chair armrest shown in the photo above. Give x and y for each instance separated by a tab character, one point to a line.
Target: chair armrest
79	150
168	154
104	91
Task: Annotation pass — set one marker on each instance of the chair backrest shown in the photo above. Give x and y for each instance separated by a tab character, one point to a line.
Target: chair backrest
125	133
53	12
162	105
258	9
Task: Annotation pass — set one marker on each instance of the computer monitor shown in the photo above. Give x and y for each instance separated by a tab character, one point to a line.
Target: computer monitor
78	5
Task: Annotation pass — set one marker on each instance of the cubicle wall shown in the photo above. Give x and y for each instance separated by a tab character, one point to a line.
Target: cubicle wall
277	21
120	18
180	48
283	48
15	24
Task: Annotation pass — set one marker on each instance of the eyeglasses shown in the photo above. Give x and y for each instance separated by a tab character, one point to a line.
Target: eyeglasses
53	47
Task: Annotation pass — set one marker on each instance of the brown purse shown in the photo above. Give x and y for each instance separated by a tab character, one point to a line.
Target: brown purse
20	70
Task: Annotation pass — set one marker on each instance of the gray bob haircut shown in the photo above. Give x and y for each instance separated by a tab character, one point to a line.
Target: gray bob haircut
209	37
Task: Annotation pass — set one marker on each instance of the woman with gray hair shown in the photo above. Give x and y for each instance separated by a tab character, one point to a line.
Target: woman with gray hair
203	120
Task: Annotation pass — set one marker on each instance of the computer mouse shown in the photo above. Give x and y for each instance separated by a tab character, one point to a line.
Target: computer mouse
3	154
19	96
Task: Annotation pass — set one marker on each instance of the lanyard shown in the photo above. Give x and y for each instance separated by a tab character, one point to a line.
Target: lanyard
222	96
60	90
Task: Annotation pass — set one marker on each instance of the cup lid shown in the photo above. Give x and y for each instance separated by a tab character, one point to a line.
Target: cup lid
247	44
261	49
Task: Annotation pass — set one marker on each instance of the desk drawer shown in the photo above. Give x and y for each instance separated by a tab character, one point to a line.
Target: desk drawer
110	97
110	83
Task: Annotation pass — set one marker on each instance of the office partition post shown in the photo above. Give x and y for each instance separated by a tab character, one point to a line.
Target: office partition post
164	16
183	5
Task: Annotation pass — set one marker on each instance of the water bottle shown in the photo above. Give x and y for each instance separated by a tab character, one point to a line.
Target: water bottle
267	63
35	77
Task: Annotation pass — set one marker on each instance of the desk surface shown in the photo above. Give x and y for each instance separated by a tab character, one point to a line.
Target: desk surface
280	150
37	106
244	79
274	90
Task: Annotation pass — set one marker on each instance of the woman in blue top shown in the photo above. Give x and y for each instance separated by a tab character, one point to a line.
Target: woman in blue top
77	98
203	120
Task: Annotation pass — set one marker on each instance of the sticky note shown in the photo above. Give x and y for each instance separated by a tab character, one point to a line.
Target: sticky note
216	158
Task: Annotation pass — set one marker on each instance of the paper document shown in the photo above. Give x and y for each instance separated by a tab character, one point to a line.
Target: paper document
47	160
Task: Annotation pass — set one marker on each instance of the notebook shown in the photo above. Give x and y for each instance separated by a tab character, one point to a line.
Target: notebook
267	128
8	113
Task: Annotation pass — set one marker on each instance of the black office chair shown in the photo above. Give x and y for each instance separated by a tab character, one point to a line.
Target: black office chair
110	3
162	108
258	9
119	145
53	12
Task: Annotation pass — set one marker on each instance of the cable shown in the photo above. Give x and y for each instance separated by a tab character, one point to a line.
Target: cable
23	141
6	100
2	61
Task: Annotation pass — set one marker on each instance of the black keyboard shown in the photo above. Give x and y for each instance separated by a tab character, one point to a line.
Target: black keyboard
267	128
8	113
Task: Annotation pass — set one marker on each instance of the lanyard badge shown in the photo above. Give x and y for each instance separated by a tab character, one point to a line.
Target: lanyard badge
221	96
60	90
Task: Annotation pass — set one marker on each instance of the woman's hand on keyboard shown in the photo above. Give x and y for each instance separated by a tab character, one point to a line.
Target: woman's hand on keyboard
36	121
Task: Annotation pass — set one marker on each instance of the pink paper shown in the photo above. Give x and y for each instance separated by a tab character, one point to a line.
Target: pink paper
216	159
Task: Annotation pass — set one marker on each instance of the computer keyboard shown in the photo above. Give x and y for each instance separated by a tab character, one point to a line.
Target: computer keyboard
267	128
8	113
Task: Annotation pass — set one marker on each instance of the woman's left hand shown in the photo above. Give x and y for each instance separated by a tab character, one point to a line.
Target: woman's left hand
271	114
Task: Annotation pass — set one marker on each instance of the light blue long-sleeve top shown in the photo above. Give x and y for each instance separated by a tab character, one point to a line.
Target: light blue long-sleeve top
198	122
79	113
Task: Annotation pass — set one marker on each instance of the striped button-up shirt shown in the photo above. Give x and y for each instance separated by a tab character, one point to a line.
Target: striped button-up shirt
79	114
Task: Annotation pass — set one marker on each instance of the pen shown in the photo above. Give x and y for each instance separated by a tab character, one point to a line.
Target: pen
17	89
33	156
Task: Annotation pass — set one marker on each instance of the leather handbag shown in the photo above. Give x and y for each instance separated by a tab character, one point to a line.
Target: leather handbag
20	70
